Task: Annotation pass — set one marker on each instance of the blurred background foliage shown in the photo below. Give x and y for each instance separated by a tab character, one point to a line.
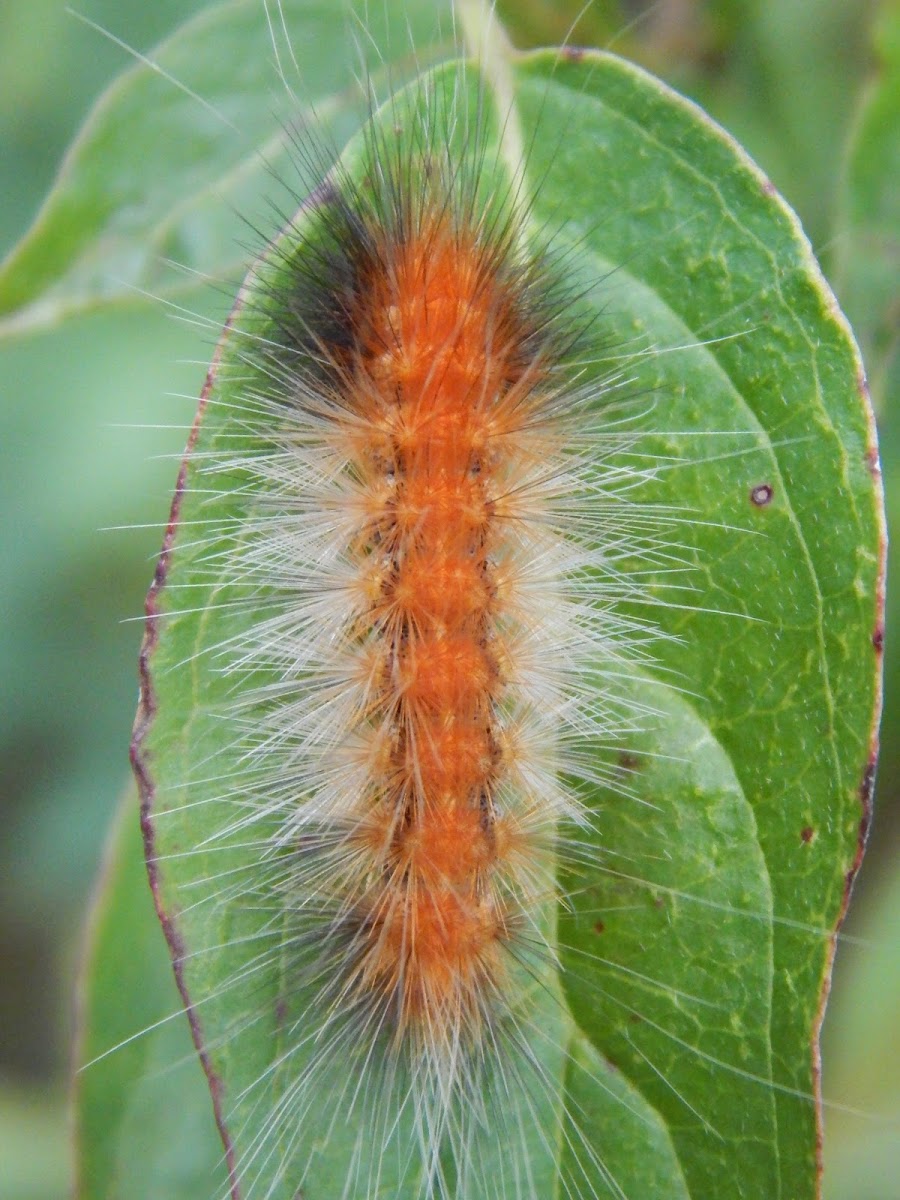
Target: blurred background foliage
810	87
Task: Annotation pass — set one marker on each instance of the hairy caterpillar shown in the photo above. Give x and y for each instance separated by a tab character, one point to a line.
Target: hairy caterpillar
408	906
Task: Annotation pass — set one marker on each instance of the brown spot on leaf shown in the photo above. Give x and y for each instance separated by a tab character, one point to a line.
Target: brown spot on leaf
599	927
866	787
878	638
573	54
762	494
629	761
807	833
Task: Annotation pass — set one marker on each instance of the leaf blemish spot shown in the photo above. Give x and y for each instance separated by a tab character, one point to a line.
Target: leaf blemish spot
878	639
599	927
761	495
807	834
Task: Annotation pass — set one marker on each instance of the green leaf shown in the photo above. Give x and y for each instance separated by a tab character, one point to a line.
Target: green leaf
697	948
168	169
868	224
144	1124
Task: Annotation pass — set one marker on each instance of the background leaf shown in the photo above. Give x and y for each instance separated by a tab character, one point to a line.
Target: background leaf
860	1067
760	767
174	151
868	246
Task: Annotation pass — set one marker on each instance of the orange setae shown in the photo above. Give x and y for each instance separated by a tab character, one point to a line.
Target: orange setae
438	350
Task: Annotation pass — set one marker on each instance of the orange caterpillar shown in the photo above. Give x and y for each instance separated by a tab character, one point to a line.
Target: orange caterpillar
416	614
416	401
435	395
443	382
433	827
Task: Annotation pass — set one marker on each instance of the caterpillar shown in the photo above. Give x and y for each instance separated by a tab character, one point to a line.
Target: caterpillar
419	432
404	700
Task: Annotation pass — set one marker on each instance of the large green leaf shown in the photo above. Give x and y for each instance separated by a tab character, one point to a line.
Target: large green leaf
697	948
169	167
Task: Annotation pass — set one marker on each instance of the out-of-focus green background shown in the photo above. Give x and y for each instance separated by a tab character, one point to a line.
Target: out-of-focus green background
786	76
